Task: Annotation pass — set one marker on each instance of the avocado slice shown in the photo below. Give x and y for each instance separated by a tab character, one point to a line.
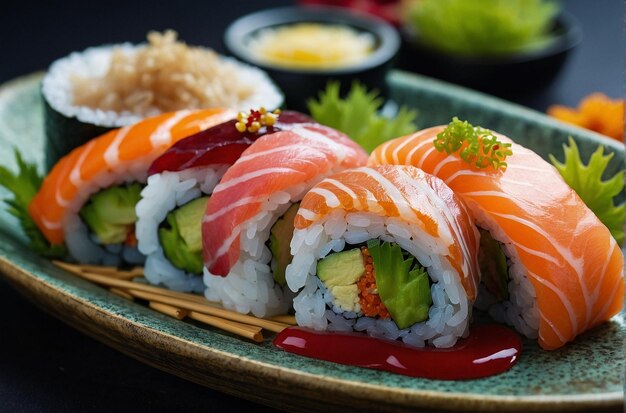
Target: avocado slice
280	240
493	266
345	297
189	219
110	213
339	272
341	268
181	236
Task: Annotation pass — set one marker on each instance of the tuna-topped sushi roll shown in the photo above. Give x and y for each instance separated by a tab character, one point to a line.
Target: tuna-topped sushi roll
550	267
388	250
180	183
249	218
88	199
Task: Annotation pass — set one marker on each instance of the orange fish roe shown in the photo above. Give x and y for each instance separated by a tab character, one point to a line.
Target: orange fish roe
131	238
370	302
596	112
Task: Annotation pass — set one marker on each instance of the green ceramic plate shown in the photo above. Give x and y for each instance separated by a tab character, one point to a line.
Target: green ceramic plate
584	375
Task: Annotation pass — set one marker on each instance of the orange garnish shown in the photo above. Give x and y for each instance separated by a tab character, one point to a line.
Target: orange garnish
596	112
131	238
371	304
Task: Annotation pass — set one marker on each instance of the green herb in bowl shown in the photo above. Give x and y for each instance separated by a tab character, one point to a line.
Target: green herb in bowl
483	27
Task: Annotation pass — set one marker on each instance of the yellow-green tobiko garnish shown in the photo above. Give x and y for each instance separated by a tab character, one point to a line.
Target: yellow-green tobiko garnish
587	181
476	146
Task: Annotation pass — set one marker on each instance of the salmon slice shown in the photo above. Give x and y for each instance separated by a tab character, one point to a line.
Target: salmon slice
277	162
119	155
412	196
570	258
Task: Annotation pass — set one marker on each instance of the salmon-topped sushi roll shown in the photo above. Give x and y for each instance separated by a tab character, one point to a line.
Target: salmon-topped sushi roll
550	267
389	250
248	222
88	199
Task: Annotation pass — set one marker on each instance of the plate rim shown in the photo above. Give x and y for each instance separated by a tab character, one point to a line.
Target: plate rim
36	289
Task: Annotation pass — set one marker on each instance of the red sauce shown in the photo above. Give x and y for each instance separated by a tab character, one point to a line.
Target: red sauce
489	350
221	144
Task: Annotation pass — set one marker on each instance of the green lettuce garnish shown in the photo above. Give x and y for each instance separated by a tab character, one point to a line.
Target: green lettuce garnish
476	146
485	27
403	285
587	181
24	186
357	115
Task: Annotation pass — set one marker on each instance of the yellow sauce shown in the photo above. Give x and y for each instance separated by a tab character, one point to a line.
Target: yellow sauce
312	46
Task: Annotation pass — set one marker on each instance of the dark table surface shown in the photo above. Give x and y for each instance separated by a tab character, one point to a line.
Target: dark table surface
46	365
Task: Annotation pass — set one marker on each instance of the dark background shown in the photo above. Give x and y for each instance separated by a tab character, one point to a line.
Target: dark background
47	366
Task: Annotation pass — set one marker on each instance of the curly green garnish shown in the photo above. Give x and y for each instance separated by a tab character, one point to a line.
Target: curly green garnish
24	186
587	181
476	146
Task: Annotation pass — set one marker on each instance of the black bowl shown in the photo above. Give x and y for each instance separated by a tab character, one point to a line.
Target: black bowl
299	85
524	71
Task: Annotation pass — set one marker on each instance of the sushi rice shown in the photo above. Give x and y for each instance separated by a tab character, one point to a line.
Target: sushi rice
565	270
165	192
271	175
117	158
520	310
57	86
450	310
84	245
250	285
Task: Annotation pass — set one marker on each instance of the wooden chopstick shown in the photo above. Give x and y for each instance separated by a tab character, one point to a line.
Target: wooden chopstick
247	331
285	319
100	270
127	285
177	313
241	329
177	304
135	271
211	310
122	293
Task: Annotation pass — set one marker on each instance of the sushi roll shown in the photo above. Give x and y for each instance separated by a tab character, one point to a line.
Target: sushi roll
388	250
551	268
249	218
91	92
179	185
88	199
